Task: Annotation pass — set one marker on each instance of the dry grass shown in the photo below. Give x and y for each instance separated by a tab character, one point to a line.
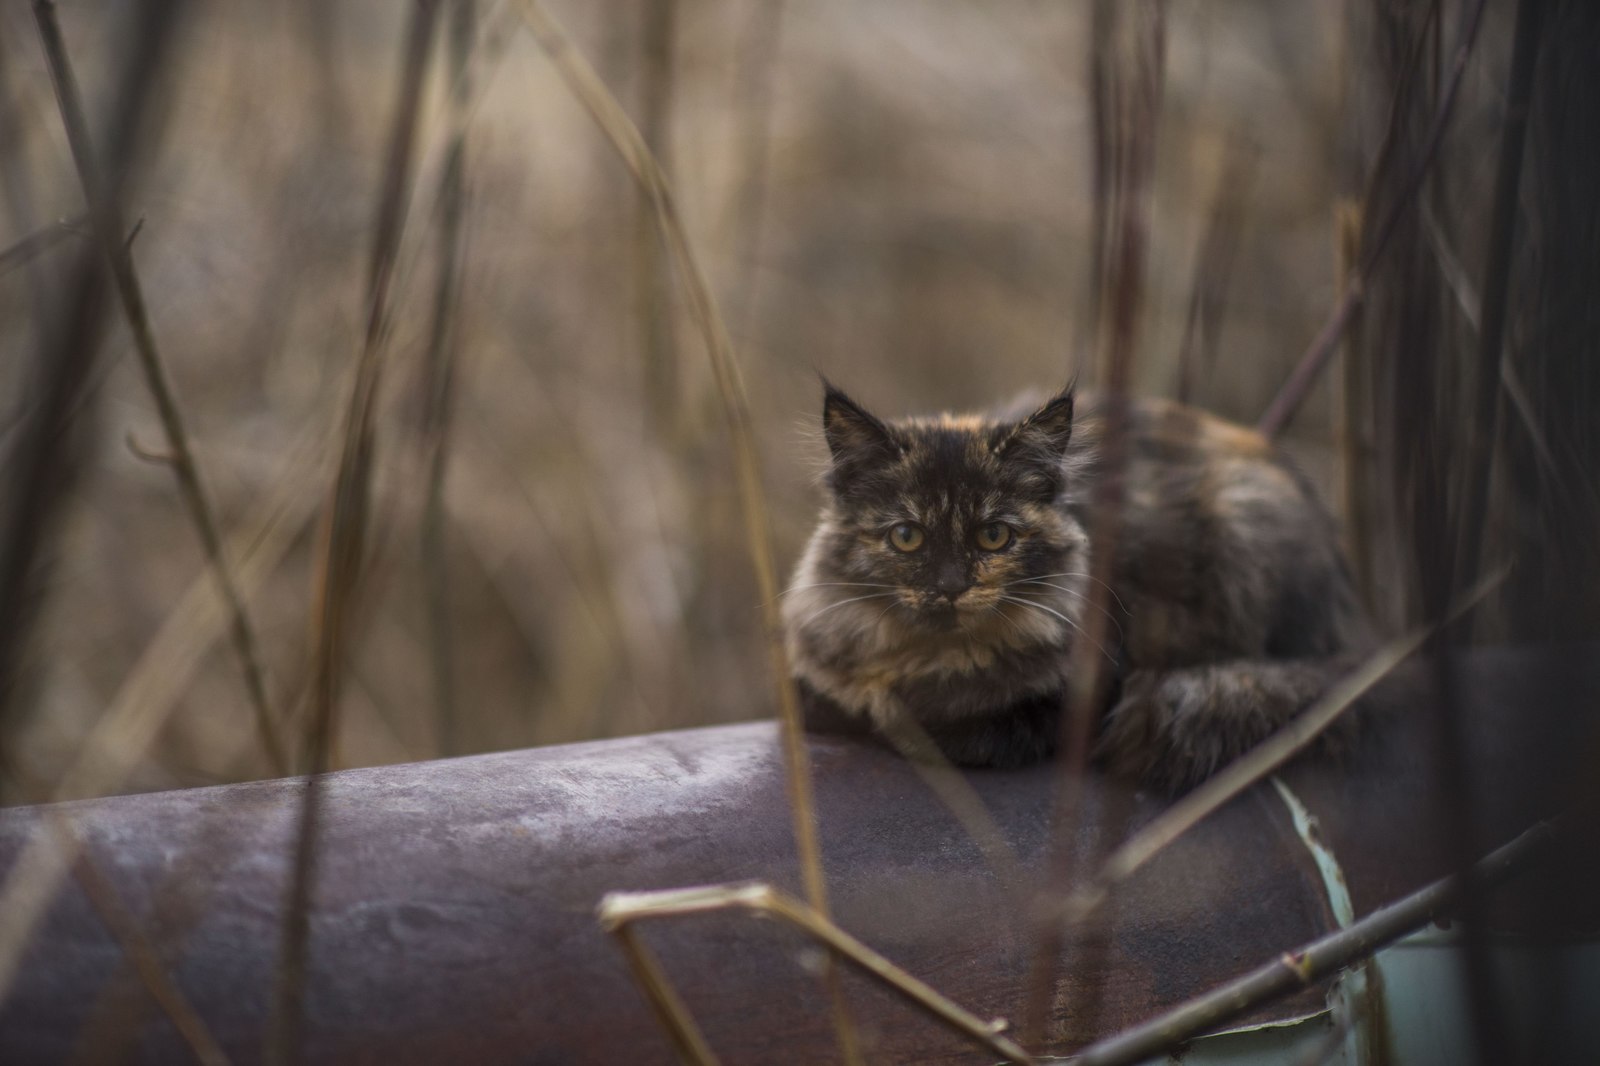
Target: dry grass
917	239
529	523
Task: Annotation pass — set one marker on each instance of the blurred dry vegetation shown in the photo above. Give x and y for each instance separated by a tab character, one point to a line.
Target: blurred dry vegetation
896	194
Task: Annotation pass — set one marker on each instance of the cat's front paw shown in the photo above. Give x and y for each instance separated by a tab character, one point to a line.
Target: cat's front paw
1157	734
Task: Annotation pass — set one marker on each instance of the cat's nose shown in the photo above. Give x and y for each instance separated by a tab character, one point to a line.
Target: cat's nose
952	581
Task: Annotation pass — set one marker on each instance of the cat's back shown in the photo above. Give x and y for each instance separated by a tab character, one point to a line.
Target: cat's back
1222	540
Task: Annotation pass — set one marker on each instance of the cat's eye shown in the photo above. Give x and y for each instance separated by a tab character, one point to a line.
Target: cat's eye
906	537
993	536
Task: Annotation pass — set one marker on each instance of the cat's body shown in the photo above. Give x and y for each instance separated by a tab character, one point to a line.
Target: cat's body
949	577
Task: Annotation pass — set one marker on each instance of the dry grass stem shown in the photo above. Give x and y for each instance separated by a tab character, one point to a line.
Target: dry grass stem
952	789
1213	270
39	242
136	947
1352	428
54	422
758	55
624	136
105	215
343	540
619	909
146	698
1461	286
1127	92
1311	364
669	1007
1254	765
439	383
651	282
1496	287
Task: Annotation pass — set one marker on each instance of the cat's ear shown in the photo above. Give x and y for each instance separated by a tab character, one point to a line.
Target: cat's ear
1043	435
857	440
852	433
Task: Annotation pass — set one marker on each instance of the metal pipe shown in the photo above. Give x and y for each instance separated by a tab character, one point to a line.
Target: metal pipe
454	919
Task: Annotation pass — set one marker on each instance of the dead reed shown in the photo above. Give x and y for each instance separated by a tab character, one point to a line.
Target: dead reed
343	538
1126	89
109	228
1413	476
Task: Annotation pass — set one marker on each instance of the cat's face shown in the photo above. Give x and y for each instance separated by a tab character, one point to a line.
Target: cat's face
952	523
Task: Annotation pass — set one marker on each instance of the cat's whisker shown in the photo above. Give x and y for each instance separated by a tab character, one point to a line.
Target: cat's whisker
854	599
1091	577
1050	610
1073	592
994	609
835	584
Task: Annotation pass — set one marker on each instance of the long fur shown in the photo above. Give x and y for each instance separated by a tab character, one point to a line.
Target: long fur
1233	606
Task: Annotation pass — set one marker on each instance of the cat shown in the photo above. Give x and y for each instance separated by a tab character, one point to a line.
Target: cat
948	578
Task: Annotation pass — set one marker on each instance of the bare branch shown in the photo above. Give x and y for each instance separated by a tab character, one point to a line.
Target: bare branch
1255	764
105	214
1320	958
1326	342
619	909
39	242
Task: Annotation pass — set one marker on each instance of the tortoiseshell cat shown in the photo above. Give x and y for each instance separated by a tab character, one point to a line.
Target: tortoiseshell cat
949	575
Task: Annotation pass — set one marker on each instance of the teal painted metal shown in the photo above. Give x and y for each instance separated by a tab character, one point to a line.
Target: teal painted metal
1354	1002
1550	996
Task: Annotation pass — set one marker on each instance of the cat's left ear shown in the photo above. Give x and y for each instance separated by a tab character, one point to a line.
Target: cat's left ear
1043	435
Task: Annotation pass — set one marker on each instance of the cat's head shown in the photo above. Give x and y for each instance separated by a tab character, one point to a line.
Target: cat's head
951	522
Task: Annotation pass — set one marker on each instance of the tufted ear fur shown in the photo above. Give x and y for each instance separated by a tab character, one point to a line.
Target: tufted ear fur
1043	436
857	440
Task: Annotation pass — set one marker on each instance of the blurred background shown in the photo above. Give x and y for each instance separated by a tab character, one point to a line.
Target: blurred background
899	195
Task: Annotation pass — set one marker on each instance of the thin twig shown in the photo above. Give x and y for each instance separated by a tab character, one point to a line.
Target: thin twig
342	543
1352	432
48	451
145	699
624	136
439	384
105	213
1128	112
1311	963
619	909
952	789
1254	765
150	691
1496	285
674	1017
1460	284
758	62
1213	269
1326	342
39	242
651	269
136	947
1457	803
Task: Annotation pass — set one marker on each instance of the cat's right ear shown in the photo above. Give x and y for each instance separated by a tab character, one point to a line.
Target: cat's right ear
852	433
856	439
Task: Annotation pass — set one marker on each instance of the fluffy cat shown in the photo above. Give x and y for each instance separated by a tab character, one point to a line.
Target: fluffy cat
948	578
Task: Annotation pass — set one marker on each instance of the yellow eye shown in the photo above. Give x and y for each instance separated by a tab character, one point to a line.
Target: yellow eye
906	537
993	537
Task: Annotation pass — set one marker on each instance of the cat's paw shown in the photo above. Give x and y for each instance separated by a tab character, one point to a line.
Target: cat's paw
1158	734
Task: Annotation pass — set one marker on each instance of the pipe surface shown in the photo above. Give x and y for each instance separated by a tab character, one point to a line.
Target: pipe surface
454	908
